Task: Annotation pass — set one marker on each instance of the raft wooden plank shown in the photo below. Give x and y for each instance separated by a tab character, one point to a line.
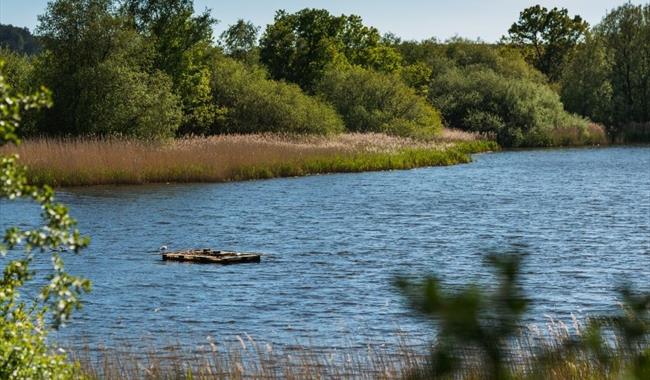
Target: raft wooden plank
212	256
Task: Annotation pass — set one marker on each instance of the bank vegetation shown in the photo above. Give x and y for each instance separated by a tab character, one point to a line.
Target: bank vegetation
100	161
153	70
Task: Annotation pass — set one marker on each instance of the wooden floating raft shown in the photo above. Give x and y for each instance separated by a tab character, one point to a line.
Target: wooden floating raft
212	256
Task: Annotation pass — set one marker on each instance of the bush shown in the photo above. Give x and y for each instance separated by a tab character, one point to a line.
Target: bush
519	111
505	61
459	52
20	76
116	99
18	70
251	103
370	101
491	89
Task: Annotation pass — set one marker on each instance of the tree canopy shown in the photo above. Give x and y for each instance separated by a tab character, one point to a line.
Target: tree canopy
18	40
550	34
182	44
298	47
608	79
101	74
147	68
240	40
370	101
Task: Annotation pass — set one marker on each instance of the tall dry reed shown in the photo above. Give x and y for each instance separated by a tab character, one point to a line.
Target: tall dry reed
532	357
94	161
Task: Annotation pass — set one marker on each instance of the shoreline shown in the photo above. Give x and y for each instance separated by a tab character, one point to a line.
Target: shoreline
69	163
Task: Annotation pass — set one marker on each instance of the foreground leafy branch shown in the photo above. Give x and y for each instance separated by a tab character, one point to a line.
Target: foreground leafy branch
477	330
24	352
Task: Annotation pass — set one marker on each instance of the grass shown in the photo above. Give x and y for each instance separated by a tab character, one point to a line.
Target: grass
593	134
88	161
250	360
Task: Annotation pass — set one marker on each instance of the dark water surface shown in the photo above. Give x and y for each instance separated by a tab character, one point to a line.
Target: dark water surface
335	242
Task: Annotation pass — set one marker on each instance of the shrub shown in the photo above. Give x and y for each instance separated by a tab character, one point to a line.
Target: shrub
18	70
116	99
519	111
252	103
370	101
503	60
471	318
19	74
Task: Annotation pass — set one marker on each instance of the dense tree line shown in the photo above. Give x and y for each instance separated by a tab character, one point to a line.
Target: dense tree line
608	79
19	40
602	72
152	69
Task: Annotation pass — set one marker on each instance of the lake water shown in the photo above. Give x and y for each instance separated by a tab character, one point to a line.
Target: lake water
335	242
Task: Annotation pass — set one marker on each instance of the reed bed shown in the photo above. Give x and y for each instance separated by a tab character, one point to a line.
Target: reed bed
248	361
593	134
101	161
535	354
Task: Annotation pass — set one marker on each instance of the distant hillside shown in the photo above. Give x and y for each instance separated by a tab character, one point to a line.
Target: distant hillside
19	40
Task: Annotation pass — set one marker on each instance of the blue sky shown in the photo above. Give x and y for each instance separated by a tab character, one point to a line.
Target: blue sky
409	19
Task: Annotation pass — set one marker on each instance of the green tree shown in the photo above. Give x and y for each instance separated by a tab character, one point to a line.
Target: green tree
298	47
500	59
426	51
99	69
625	33
18	40
362	45
240	41
20	74
18	70
460	52
24	353
249	102
182	44
585	86
520	112
370	101
608	78
417	76
551	36
174	30
118	100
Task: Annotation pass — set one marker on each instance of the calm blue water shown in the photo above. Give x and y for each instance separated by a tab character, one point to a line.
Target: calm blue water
334	243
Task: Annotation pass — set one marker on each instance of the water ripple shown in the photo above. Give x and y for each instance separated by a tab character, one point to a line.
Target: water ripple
336	241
